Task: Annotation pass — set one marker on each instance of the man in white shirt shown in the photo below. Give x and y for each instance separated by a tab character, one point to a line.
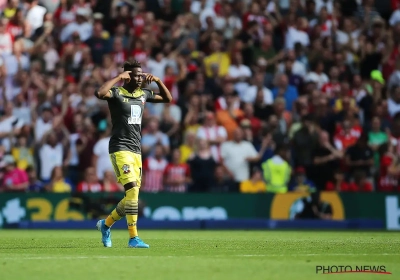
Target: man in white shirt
35	14
43	124
50	155
6	41
249	96
80	26
298	67
295	34
239	74
157	66
101	157
214	134
237	156
9	125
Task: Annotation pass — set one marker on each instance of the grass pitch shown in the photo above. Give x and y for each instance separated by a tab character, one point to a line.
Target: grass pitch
192	255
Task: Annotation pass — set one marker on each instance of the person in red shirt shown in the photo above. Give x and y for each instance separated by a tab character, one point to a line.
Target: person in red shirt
110	183
16	25
346	135
90	183
333	85
360	183
255	123
176	174
389	169
338	184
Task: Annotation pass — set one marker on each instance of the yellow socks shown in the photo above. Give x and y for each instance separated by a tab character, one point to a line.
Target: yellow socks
131	210
116	214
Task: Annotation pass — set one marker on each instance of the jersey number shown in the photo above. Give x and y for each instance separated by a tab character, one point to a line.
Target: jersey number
136	115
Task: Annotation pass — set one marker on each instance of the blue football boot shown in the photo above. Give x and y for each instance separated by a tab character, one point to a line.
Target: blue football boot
105	233
136	242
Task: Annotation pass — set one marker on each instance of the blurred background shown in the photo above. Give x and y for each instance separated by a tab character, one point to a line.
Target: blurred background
283	110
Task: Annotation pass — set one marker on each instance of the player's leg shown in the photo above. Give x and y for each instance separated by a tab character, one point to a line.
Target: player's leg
117	214
132	202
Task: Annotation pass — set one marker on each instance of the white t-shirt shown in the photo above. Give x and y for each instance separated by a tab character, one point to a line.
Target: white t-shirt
343	38
211	134
294	36
393	107
85	31
50	157
11	64
251	94
319	4
74	160
234	155
35	17
319	79
395	18
240	71
157	68
298	68
41	128
23	113
51	58
5	43
6	126
100	149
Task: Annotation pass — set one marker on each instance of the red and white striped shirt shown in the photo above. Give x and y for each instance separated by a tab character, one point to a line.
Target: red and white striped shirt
212	134
153	176
176	172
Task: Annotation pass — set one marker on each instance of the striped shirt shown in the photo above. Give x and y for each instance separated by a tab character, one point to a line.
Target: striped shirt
153	174
176	172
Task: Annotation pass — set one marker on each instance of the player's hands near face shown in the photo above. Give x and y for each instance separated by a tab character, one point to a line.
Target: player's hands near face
125	76
149	78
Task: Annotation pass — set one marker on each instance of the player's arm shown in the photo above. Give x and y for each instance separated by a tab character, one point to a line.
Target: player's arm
164	96
104	92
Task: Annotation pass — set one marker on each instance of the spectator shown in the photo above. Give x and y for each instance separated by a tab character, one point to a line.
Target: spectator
228	118
249	96
34	16
283	89
152	136
394	101
237	156
359	157
326	160
214	134
240	74
90	183
202	166
176	174
255	184
188	146
360	183
338	183
80	25
58	183
110	183
14	179
34	184
277	171
314	208
217	59
301	183
22	153
101	158
389	169
154	168
376	137
51	155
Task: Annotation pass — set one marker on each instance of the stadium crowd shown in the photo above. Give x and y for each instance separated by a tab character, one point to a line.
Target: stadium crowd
269	95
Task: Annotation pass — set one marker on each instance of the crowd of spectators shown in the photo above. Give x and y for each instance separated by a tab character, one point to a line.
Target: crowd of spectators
269	95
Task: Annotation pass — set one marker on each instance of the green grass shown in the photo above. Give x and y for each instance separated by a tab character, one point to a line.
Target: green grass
192	255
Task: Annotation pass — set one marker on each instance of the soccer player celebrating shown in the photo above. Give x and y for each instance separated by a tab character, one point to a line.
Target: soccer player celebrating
126	105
